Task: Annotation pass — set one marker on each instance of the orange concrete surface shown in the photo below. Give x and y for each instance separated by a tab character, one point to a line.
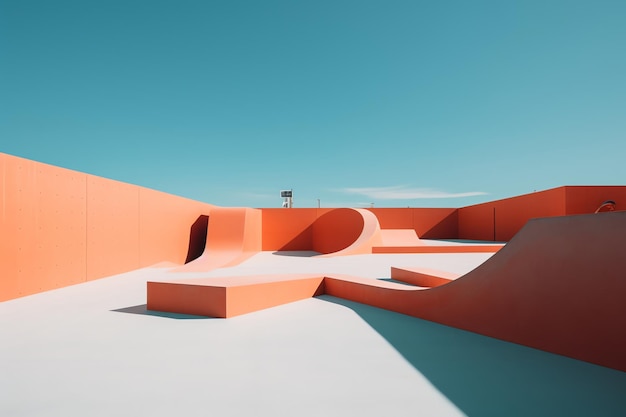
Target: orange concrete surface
557	286
42	228
438	249
289	229
428	223
500	220
233	296
60	227
400	237
292	229
422	277
233	235
346	232
338	231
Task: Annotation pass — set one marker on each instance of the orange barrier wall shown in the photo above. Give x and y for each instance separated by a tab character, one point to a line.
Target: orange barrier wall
500	220
289	229
428	223
292	229
60	227
587	199
557	286
336	230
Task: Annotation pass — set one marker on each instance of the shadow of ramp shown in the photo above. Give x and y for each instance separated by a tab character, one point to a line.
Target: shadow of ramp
143	310
484	376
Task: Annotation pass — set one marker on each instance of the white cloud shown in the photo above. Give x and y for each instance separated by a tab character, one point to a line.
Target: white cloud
402	192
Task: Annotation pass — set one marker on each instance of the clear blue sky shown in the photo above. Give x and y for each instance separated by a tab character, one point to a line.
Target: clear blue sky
397	103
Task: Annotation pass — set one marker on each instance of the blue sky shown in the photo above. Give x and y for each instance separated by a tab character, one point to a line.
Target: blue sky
397	103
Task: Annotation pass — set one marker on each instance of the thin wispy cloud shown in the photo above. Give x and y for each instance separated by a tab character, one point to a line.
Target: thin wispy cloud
402	192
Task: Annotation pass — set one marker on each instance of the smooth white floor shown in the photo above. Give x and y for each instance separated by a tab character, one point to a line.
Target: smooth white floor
94	350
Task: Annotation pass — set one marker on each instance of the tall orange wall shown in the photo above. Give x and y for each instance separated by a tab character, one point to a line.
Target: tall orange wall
60	227
428	223
336	230
580	199
500	220
288	229
292	229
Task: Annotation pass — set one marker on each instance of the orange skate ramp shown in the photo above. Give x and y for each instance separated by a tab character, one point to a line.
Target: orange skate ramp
233	235
346	231
400	237
558	286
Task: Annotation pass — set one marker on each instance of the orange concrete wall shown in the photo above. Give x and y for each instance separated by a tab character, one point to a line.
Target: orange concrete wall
336	230
587	199
288	229
500	220
42	228
60	227
428	223
292	229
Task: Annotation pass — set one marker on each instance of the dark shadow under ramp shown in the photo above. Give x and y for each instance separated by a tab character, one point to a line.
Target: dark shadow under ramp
484	376
558	285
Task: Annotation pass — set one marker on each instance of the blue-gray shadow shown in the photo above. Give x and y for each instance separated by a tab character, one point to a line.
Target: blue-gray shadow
143	310
484	376
297	253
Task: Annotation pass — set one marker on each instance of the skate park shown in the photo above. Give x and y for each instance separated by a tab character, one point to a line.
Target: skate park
113	292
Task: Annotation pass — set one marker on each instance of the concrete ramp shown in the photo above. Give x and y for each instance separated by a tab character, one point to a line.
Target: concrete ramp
400	237
233	235
558	286
346	231
407	241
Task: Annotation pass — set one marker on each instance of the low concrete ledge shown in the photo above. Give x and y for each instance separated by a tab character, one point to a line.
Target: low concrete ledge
438	249
422	277
226	297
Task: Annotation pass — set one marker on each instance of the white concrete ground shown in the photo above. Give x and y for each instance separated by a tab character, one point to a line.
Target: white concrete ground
94	350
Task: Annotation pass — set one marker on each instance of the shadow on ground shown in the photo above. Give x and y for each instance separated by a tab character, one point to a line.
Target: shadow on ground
296	253
142	309
483	376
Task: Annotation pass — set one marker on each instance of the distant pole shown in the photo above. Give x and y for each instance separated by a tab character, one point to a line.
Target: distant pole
318	203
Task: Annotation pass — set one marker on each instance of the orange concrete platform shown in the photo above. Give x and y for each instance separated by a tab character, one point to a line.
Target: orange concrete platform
233	296
438	249
557	286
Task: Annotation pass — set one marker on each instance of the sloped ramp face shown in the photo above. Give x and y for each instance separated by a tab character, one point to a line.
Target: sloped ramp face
346	231
558	286
233	235
400	238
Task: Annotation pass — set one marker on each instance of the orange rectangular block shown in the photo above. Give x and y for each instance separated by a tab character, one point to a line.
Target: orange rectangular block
201	300
226	297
